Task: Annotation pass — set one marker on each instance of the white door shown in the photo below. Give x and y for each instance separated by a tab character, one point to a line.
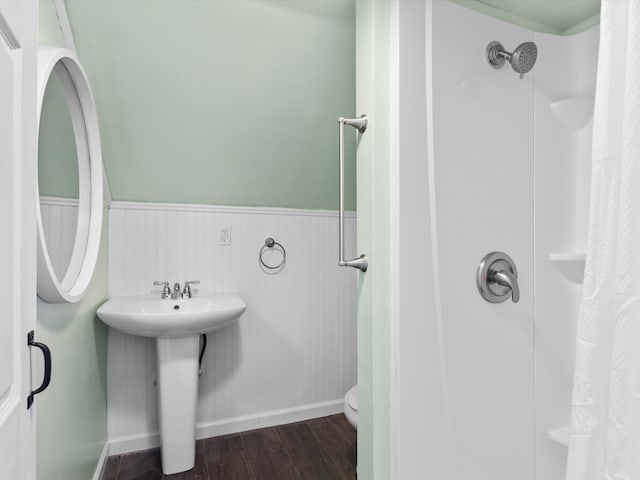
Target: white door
17	439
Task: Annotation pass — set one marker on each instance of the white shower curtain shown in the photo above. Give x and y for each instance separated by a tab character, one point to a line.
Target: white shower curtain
605	424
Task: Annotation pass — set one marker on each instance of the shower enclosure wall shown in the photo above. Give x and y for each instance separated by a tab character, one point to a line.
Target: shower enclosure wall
505	163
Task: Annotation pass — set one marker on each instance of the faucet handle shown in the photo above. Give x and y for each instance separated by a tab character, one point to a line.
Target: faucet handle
166	291
186	292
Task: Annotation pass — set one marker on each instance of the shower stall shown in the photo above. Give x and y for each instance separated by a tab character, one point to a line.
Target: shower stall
479	159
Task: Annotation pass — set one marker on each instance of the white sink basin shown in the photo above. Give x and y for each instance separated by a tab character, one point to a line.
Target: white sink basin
149	316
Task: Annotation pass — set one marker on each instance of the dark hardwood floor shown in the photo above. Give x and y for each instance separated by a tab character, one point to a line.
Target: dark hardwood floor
318	449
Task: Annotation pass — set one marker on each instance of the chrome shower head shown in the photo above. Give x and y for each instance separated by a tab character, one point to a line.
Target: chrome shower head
524	57
521	60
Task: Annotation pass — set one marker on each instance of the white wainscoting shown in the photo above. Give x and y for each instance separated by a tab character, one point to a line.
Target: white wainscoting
59	223
292	355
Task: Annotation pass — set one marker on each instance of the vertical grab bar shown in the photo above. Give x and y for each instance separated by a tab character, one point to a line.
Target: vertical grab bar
360	124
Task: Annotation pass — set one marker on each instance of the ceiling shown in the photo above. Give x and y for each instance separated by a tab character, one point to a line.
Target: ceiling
562	17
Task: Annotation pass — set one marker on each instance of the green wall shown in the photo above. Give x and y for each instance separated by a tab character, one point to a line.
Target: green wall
72	412
373	44
57	158
221	101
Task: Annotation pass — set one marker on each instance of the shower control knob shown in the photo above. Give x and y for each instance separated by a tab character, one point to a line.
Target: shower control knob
497	278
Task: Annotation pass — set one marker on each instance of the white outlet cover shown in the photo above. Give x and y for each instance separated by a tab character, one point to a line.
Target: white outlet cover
225	236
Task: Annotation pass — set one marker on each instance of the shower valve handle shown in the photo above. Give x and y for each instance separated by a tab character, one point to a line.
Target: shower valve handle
497	278
506	279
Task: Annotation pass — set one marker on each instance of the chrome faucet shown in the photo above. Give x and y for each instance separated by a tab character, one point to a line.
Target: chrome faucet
177	293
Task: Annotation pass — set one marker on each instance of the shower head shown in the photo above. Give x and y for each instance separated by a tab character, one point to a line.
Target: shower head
521	60
524	57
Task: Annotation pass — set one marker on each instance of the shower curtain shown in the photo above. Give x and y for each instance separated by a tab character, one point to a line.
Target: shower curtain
605	423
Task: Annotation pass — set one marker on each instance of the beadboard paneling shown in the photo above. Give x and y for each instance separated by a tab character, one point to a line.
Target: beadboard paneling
294	346
59	223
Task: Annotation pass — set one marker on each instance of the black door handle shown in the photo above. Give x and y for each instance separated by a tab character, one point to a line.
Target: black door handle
47	367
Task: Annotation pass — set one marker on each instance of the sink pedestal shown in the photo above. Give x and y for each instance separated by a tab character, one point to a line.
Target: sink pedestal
177	399
176	324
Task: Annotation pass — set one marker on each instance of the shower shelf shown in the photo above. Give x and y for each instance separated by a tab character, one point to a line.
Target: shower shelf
560	435
574	112
570	265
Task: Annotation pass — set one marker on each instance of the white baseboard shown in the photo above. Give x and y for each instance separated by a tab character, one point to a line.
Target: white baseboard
144	441
269	419
102	461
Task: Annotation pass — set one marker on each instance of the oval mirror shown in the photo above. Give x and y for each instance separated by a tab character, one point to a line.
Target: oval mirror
69	178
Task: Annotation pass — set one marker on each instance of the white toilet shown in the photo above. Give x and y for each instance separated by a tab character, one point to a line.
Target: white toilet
351	406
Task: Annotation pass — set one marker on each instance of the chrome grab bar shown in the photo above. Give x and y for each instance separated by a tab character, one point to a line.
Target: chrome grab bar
360	124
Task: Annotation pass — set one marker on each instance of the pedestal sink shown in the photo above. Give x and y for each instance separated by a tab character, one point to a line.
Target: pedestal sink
176	325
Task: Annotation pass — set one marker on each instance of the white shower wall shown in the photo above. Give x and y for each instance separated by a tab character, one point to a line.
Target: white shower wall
565	76
483	166
292	354
509	175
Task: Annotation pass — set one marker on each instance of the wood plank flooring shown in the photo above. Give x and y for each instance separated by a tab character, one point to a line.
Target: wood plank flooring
318	449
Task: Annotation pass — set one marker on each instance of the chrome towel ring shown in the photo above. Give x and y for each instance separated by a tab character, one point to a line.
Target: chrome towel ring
268	244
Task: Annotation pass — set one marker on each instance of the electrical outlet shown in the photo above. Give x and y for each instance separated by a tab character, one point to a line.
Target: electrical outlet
225	236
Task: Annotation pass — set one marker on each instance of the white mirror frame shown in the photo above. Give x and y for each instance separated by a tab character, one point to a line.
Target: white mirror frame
73	286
